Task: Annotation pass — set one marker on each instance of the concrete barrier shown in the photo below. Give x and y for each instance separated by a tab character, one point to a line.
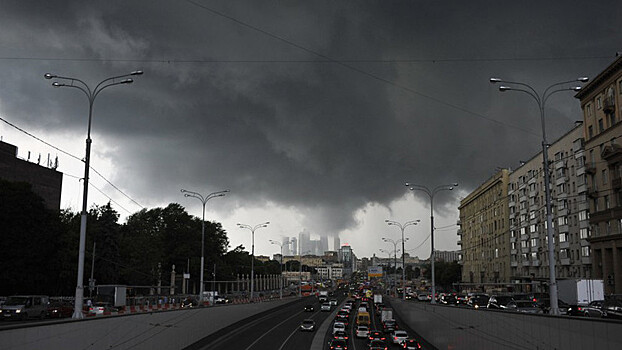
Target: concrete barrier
458	328
175	329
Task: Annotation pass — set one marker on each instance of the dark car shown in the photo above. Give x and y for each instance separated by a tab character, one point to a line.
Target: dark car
307	325
309	308
190	302
389	326
377	345
545	305
60	309
337	344
340	335
477	301
524	306
410	344
376	335
449	299
499	302
612	307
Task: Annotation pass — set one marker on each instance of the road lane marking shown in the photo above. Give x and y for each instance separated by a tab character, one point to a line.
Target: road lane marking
271	329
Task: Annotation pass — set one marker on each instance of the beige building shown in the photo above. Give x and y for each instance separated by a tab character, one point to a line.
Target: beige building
527	214
484	232
600	102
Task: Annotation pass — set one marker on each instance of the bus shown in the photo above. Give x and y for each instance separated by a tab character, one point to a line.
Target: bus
362	318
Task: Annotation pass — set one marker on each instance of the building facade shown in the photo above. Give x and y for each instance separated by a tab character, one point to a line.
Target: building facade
45	181
600	102
527	214
484	232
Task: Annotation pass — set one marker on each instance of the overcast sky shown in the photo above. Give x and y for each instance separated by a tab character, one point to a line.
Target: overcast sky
313	113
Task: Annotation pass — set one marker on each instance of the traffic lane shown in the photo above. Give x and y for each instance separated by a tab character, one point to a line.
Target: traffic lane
244	334
354	343
303	340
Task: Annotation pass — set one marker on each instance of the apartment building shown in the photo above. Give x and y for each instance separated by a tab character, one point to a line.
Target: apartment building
527	214
600	102
484	232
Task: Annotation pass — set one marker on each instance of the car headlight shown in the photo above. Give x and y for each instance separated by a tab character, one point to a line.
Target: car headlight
18	311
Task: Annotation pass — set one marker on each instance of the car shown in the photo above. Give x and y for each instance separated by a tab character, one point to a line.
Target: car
593	309
477	301
60	309
448	299
612	307
309	308
337	344
377	345
499	302
343	316
189	302
219	299
376	335
24	306
362	332
398	336
101	308
333	302
545	305
410	344
525	306
389	326
307	325
423	296
340	335
339	326
325	307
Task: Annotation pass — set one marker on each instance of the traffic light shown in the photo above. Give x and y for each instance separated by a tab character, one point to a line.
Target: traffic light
610	280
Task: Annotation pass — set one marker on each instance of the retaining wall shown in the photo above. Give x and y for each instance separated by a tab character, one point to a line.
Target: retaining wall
155	330
458	328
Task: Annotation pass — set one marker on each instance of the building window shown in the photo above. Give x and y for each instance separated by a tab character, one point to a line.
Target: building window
513	245
599	103
607	206
496	252
604	176
588	107
590	132
532	228
524	244
583	215
563	237
600	125
584	233
585	251
534	242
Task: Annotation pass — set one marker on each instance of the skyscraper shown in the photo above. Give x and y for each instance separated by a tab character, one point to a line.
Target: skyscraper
323	245
286	248
336	243
294	245
305	242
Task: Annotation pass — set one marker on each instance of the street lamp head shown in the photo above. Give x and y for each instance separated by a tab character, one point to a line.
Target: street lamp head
504	88
583	79
455	184
495	80
126	81
137	72
57	84
575	88
49	76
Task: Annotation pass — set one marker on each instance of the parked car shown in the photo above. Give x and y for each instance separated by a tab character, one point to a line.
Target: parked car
60	309
612	307
307	325
25	306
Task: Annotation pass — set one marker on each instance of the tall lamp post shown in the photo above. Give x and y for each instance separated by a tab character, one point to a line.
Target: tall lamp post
395	250
280	244
541	101
91	94
389	253
203	200
431	193
253	229
402	227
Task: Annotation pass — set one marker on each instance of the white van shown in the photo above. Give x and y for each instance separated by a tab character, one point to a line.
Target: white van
25	306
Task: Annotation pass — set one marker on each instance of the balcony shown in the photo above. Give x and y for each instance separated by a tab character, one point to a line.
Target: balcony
592	192
533	193
581	188
565	261
560	164
535	263
590	168
514	263
586	260
564	245
562	212
526	263
563	229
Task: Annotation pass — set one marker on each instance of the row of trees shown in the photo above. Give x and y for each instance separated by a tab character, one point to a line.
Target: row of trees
39	248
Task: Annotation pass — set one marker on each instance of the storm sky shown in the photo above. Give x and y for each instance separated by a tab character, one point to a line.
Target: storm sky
313	113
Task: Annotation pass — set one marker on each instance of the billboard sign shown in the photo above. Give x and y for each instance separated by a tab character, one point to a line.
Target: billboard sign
374	271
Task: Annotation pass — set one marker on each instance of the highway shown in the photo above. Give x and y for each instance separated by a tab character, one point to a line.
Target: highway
279	329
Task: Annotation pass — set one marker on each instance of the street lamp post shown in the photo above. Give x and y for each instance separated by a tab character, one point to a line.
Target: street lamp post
253	229
91	94
541	101
395	250
203	200
431	194
280	244
402	227
389	253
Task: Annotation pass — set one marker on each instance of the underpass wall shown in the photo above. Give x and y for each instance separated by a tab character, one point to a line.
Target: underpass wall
157	330
458	328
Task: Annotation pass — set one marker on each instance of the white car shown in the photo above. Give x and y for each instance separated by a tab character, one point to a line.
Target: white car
325	307
362	332
362	309
339	326
333	302
398	336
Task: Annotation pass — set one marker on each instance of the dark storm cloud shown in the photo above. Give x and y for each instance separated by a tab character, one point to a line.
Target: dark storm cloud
318	136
